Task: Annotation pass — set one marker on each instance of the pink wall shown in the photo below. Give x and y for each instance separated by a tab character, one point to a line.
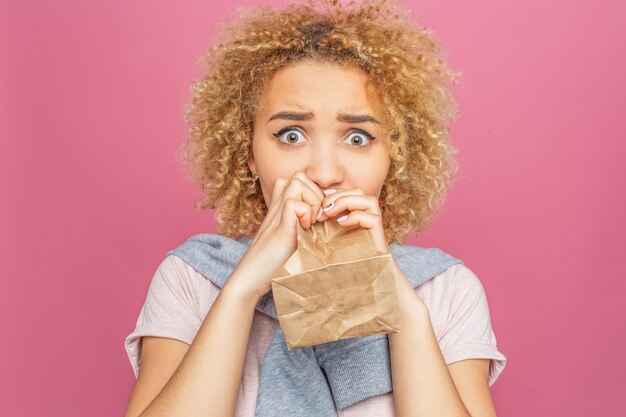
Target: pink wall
91	98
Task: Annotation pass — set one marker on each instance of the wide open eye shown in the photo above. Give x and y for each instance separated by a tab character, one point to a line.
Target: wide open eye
358	137
290	138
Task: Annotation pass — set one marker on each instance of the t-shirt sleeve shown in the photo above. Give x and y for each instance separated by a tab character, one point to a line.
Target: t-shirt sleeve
467	332
171	309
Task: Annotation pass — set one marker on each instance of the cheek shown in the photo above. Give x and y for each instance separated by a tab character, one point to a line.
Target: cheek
370	176
275	167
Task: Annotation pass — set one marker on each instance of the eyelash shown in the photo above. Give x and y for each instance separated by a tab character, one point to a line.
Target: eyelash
288	128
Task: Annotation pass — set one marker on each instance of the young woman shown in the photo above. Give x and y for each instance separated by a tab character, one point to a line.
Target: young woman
314	112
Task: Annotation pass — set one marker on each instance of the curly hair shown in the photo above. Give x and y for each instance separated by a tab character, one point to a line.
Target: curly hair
403	62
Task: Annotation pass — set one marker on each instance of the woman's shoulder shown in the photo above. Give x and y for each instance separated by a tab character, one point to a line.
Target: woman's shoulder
454	290
455	284
177	271
457	278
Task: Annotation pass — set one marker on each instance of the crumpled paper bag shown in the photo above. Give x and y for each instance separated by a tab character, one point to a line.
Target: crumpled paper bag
335	286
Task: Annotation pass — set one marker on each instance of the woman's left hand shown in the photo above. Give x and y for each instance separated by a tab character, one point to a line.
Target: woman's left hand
359	209
365	211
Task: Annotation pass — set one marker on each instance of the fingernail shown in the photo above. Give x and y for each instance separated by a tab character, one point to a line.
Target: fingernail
329	206
329	191
342	218
319	214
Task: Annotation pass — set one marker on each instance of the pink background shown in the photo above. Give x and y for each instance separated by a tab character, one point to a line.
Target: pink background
91	98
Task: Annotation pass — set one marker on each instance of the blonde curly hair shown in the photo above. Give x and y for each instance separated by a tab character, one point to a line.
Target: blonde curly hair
403	62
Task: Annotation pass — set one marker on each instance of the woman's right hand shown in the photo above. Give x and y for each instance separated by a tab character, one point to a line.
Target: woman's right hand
296	199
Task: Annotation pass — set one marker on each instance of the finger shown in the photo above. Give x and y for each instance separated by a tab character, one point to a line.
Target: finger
366	203
302	176
296	187
301	191
315	207
294	211
332	197
279	187
372	222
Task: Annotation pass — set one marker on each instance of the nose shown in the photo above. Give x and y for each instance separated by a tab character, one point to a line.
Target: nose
325	166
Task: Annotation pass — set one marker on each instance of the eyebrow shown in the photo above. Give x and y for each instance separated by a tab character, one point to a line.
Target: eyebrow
342	117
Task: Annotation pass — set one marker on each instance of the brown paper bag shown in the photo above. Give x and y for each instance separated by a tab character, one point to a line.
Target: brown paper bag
335	286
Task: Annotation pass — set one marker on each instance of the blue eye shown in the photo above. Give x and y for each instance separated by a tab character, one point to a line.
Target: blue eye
293	137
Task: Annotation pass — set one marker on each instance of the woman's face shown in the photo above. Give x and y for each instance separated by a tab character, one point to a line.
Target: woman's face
306	124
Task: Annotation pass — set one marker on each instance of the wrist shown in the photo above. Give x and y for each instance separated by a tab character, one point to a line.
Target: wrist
411	305
235	288
409	301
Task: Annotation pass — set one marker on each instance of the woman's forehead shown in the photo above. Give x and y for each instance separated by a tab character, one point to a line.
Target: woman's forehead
320	87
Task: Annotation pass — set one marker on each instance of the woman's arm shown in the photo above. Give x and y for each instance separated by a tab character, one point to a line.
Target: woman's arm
422	383
207	380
